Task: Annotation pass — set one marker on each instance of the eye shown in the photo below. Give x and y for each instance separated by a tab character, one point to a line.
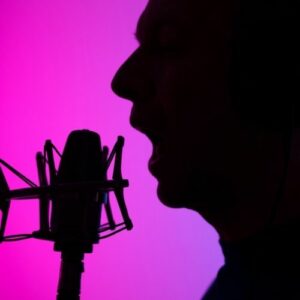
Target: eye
168	39
165	41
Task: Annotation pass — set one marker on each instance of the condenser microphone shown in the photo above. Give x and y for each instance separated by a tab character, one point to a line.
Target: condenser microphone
76	192
75	215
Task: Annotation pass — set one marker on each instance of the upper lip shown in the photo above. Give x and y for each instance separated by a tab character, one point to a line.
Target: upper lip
154	136
153	133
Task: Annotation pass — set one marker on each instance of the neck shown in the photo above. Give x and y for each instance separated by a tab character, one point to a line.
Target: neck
271	251
252	215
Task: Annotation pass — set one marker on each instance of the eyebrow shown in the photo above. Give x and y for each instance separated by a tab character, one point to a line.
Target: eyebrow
137	36
143	29
139	29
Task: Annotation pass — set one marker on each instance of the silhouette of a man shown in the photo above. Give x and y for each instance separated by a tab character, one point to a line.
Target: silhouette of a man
213	87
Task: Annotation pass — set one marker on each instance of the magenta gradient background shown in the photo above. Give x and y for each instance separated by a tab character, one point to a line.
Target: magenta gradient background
57	59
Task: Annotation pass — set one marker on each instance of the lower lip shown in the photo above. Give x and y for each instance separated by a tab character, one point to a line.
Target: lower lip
154	161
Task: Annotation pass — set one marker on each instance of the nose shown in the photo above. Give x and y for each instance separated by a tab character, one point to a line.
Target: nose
130	81
135	81
122	81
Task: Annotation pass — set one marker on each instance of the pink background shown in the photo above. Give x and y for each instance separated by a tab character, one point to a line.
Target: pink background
57	59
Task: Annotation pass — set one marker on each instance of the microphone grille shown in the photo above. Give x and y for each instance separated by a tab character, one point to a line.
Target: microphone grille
82	158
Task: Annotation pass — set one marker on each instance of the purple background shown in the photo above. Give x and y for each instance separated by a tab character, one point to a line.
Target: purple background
57	59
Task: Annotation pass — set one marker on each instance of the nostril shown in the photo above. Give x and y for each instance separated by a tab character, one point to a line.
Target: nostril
115	84
122	85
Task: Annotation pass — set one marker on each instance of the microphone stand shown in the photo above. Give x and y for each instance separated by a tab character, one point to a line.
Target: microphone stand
77	191
71	269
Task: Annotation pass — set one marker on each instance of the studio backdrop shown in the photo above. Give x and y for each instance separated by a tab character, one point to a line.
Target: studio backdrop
57	59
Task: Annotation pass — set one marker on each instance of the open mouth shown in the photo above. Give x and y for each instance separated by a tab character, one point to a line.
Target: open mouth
153	137
155	158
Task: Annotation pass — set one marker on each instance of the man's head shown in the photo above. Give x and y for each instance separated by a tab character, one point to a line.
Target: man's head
181	80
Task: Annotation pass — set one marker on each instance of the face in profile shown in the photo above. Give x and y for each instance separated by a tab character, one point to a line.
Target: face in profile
177	80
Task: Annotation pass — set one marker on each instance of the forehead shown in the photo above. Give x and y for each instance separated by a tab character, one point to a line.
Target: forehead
184	13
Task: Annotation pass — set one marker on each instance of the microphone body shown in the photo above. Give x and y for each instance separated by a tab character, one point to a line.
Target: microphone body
76	194
75	215
75	218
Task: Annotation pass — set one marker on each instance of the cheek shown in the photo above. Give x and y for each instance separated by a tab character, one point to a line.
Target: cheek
200	124
192	86
195	102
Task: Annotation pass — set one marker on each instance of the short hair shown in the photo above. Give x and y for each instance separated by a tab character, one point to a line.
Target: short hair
265	63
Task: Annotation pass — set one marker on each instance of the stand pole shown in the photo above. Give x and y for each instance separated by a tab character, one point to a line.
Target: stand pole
71	268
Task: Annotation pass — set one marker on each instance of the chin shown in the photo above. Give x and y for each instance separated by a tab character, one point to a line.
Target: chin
169	197
179	198
204	198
